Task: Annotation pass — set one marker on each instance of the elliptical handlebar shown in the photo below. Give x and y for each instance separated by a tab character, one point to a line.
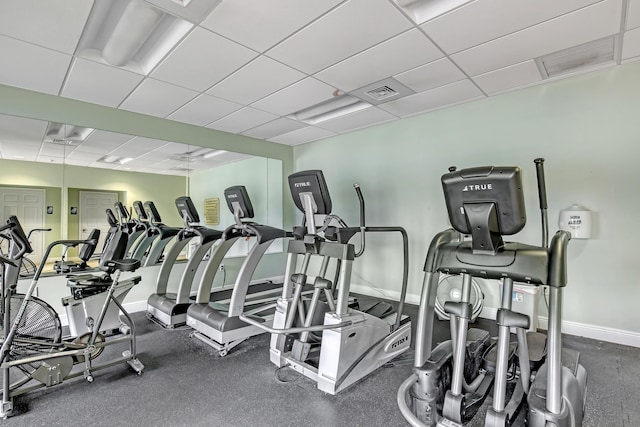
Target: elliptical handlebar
542	197
356	186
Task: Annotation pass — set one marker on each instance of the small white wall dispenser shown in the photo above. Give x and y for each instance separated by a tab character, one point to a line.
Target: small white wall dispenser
576	220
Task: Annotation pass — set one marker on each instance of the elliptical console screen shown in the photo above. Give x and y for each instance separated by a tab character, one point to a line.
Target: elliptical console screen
311	182
501	186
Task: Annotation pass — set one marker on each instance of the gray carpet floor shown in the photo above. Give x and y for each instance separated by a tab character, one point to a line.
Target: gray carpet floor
186	383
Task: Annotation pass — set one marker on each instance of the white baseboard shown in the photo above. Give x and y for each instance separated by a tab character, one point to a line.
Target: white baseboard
594	332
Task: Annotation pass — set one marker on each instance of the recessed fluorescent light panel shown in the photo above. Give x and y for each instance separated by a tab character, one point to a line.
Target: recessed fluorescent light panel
331	109
115	160
194	11
579	58
382	91
130	34
425	10
60	133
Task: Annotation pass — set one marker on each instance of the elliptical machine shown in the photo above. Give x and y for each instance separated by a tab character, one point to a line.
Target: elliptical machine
353	343
488	203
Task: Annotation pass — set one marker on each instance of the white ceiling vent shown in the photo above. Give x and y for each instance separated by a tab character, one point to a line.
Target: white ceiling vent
380	92
579	58
63	134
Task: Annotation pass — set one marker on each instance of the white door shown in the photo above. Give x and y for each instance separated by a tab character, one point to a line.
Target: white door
28	206
91	211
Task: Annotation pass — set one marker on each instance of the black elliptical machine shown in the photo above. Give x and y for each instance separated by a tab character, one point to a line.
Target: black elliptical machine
451	381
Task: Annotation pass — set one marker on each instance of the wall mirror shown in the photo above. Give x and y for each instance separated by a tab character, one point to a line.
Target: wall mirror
57	175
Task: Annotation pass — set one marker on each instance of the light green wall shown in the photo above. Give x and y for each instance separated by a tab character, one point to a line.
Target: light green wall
162	189
587	128
263	181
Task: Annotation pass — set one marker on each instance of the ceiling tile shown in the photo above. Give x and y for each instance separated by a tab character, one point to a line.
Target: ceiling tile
261	24
173	148
401	53
481	23
84	156
157	98
50	159
633	14
19	152
359	119
509	77
106	138
274	128
256	80
203	110
591	23
300	136
343	32
631	45
54	150
242	120
32	67
127	152
20	130
299	95
432	75
145	144
443	96
201	60
98	83
79	162
55	24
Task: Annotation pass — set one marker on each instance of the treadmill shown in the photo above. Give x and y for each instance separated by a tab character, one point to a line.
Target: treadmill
169	309
214	316
151	249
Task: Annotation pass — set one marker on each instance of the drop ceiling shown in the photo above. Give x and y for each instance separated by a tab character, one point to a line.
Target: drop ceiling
247	66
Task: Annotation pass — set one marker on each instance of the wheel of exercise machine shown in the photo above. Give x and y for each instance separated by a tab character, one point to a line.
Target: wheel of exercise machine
450	289
84	339
40	323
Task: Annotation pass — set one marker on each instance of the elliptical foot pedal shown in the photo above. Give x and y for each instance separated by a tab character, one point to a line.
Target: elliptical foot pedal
489	359
380	309
537	346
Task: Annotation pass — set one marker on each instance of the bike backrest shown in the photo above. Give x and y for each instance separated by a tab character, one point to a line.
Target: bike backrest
115	249
19	236
237	196
87	250
311	183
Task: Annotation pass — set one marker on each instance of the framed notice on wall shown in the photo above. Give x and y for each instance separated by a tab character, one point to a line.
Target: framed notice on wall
212	211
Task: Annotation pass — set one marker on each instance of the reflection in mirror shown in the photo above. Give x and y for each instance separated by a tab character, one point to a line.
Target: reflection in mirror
66	160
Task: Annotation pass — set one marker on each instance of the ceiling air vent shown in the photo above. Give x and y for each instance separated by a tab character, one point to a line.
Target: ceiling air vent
380	92
181	169
579	58
63	134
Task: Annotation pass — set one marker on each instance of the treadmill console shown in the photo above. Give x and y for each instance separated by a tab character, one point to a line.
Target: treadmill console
187	210
152	212
237	196
111	218
137	205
